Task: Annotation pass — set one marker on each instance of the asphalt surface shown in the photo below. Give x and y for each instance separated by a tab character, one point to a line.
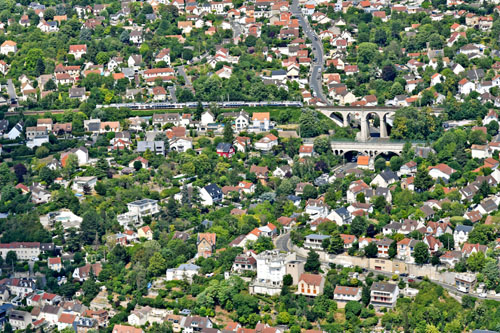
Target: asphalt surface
236	29
281	242
181	71
11	90
317	66
172	94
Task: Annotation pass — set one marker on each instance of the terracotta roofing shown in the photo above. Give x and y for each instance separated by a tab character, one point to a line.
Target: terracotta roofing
311	279
346	290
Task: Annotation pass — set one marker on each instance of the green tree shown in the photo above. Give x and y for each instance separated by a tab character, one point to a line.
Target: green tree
491	272
322	145
157	264
380	164
367	52
31	59
137	165
396	162
287	280
308	124
309	192
228	132
50	85
476	261
358	226
482	234
71	165
393	249
312	263
447	240
42	152
90	288
11	258
90	226
421	253
371	250
423	181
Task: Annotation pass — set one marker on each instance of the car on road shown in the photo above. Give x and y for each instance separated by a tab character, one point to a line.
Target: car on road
410	280
403	275
482	295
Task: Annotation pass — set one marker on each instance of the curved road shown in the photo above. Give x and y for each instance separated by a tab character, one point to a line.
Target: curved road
281	242
317	65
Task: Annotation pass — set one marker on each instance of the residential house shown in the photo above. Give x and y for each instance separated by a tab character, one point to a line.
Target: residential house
55	264
261	121
346	294
383	247
8	47
126	329
441	171
461	234
210	194
84	184
306	151
267	143
83	273
340	216
225	149
385	178
19	320
145	232
383	294
206	244
314	241
78	50
310	285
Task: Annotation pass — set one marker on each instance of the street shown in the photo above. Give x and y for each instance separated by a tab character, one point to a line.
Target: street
281	242
317	66
182	72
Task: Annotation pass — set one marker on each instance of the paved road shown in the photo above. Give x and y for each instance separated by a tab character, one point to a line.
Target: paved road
172	94
317	66
181	71
281	242
11	90
236	29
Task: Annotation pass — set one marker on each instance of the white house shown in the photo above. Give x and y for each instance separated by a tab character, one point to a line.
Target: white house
346	294
78	50
81	183
183	272
316	209
143	207
210	195
442	171
461	234
207	117
315	241
341	216
15	132
384	179
266	143
465	87
383	294
271	268
407	169
8	47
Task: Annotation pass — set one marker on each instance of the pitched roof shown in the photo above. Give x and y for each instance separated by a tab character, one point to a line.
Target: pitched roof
311	279
346	290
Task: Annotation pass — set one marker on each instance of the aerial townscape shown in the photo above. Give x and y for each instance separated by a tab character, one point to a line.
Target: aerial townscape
249	166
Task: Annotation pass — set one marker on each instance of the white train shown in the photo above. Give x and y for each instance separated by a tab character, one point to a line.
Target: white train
192	105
